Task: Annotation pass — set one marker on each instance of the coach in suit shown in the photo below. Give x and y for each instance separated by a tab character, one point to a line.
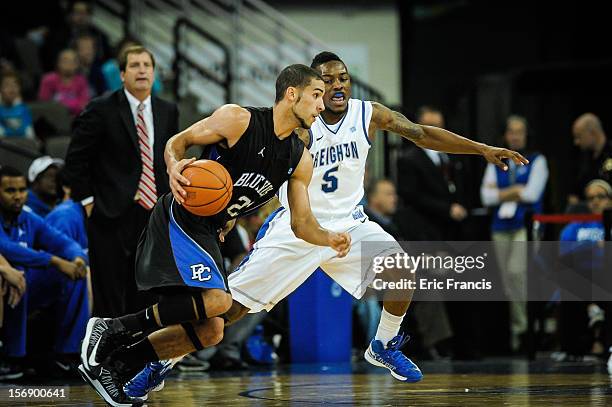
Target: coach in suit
115	167
428	189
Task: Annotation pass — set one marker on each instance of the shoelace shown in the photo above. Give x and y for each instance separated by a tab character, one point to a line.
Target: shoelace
112	341
148	381
394	347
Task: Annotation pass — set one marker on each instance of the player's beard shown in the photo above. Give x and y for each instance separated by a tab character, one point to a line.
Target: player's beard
303	123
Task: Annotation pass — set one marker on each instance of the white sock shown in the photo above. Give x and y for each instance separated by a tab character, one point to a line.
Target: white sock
388	327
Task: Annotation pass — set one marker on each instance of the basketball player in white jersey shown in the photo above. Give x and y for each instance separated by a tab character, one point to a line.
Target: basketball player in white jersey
339	142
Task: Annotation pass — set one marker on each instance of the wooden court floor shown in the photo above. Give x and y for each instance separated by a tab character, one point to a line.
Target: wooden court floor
323	386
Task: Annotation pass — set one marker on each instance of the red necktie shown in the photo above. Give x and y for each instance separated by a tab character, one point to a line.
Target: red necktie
146	185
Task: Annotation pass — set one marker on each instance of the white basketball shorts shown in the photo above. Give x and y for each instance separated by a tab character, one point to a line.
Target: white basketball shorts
280	262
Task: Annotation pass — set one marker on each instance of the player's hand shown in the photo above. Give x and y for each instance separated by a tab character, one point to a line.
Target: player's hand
340	242
495	155
457	212
177	180
82	267
71	269
14	296
13	278
226	229
89	209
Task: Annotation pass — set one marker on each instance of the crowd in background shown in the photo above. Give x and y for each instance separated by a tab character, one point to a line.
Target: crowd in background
52	234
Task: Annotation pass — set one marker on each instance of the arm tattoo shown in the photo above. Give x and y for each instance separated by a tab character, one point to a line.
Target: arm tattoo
401	125
393	121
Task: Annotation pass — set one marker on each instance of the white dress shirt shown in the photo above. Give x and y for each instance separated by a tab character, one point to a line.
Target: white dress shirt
147	113
434	156
148	118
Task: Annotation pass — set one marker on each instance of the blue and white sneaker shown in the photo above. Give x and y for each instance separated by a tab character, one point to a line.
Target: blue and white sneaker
393	359
151	378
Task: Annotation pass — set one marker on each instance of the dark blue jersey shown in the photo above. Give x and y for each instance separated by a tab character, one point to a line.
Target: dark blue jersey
259	163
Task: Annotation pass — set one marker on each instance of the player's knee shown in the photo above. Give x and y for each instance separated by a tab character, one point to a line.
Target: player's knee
217	302
210	332
236	312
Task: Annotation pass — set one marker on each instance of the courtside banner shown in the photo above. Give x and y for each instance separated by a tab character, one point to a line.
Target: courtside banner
488	271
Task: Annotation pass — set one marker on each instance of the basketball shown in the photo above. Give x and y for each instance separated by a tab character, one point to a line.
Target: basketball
210	187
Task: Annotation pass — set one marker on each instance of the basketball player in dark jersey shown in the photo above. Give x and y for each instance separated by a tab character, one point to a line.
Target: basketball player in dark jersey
178	253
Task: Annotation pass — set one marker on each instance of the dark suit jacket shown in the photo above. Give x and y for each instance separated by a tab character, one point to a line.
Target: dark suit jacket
388	225
426	197
103	158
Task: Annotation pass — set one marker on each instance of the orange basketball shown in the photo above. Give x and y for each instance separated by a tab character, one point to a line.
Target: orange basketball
210	190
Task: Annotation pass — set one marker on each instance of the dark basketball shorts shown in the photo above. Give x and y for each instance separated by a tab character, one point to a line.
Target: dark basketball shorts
179	249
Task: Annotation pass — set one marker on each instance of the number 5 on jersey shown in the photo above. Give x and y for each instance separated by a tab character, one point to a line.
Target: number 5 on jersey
331	181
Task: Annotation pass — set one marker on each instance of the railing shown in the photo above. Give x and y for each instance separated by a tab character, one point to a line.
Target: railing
121	10
181	58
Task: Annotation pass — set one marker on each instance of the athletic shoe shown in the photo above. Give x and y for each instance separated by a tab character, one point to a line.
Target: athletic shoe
102	337
258	350
393	359
190	363
105	380
151	378
10	371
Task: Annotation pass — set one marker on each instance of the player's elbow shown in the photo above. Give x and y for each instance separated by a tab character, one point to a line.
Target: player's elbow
298	227
418	135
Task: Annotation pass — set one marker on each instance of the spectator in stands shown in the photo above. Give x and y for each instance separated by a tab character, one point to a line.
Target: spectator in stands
65	85
29	244
112	74
42	174
15	116
511	194
382	205
90	67
437	211
78	22
596	160
581	325
105	166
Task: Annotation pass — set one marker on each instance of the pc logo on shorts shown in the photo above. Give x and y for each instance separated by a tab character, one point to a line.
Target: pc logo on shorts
197	270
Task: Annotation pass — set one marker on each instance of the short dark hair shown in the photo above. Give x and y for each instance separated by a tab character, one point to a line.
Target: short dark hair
372	187
8	171
323	57
297	76
136	49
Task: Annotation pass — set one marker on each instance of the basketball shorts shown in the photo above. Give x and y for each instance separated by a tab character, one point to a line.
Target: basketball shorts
179	249
279	262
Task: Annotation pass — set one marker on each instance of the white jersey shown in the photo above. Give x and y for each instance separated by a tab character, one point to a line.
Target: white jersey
339	153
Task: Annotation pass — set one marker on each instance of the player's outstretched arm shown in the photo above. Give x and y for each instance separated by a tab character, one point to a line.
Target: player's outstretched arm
303	222
439	139
226	124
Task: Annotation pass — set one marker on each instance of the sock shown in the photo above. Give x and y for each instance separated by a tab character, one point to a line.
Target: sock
388	327
138	354
143	321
